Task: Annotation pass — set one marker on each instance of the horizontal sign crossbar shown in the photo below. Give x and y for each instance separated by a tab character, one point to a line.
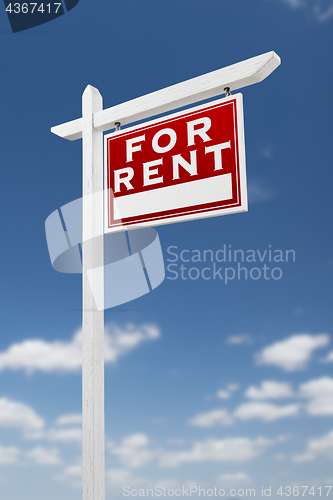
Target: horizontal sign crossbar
203	87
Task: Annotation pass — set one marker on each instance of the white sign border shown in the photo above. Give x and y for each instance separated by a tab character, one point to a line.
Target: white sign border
200	215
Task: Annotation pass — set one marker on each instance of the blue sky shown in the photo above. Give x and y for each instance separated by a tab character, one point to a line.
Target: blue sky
218	385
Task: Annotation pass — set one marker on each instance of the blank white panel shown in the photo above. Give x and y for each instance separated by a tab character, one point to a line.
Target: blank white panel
180	196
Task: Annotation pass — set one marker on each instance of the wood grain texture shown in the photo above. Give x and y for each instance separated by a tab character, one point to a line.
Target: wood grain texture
236	76
93	453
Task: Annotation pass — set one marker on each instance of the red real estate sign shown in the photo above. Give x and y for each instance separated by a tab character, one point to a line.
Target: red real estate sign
185	166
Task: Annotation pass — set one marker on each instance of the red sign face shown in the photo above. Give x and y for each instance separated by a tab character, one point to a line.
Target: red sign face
186	166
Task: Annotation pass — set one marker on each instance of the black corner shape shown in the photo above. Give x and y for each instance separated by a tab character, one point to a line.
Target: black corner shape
70	4
24	15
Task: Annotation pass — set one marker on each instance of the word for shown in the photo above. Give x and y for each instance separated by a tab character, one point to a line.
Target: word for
151	175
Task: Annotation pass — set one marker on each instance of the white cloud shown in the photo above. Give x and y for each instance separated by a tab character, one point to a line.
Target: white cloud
223	394
265	411
36	456
293	353
226	393
232	387
64	435
214	450
258	192
61	356
175	442
211	418
267	151
16	415
251	410
73	473
329	358
243	338
323	14
133	450
283	438
317	447
43	456
294	3
9	455
73	470
320	393
119	342
69	419
322	10
118	478
232	479
317	387
270	389
159	421
37	354
72	434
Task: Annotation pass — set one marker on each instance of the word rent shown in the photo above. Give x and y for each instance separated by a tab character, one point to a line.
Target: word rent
195	129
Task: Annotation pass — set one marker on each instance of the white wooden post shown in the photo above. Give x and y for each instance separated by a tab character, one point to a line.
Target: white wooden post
93	446
90	128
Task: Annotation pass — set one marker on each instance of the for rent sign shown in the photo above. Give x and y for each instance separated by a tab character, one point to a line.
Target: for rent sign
186	166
